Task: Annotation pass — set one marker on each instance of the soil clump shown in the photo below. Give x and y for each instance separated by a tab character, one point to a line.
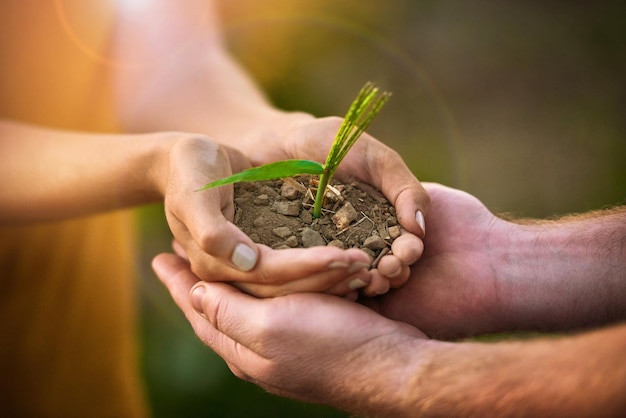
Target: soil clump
279	214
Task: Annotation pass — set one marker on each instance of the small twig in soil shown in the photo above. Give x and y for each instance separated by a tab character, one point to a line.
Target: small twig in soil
383	253
372	222
309	195
335	191
308	205
354	224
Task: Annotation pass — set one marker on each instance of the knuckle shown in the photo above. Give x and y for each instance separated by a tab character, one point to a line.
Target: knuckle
211	240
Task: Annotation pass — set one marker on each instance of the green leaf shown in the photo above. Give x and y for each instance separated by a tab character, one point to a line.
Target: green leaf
270	171
360	114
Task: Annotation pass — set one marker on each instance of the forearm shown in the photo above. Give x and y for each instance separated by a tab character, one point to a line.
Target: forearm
564	274
571	376
187	80
49	174
578	376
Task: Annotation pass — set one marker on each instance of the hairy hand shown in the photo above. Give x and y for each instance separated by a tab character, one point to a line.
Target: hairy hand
307	346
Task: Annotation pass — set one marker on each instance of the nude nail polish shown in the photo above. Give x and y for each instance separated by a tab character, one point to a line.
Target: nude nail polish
244	257
419	217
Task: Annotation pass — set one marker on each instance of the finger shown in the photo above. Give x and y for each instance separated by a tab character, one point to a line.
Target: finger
379	285
407	248
390	266
204	215
394	270
174	273
281	266
386	170
403	190
217	236
332	284
401	279
179	250
180	281
229	311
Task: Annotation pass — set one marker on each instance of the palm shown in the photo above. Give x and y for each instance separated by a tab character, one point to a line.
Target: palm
452	291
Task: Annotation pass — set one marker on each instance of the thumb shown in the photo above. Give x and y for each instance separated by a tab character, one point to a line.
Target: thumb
222	239
202	220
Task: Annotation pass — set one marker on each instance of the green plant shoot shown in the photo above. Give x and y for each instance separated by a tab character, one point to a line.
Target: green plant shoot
360	114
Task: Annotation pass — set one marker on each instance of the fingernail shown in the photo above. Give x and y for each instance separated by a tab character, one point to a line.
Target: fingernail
244	257
419	217
197	295
356	284
357	265
338	265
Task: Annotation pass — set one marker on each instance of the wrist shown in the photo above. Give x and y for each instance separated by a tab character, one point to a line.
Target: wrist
556	275
387	385
156	162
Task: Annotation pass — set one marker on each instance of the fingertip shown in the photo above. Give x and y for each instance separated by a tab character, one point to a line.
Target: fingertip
390	266
399	280
408	248
411	206
197	298
352	284
163	265
378	285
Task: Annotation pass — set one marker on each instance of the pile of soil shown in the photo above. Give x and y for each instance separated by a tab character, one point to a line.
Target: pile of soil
279	214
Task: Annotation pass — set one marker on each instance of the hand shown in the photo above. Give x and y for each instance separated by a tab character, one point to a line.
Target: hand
226	104
483	274
312	347
453	288
219	251
302	136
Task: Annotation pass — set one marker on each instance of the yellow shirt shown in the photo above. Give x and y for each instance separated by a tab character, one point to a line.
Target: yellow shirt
67	307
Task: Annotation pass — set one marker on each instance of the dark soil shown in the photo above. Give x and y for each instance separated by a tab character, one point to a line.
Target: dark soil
279	214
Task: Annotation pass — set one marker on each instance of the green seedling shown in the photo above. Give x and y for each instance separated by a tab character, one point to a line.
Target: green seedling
360	114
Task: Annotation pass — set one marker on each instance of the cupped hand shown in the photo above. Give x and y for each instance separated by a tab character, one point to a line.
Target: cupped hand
307	346
371	161
453	288
219	251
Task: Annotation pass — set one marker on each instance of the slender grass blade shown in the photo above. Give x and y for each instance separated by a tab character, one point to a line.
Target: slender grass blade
270	171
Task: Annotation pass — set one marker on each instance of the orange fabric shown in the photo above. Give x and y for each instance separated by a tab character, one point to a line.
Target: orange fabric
68	319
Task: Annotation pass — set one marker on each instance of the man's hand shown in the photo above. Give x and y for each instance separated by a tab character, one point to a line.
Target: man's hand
482	274
312	347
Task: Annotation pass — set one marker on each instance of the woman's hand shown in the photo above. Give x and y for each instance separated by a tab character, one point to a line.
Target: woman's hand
201	222
299	135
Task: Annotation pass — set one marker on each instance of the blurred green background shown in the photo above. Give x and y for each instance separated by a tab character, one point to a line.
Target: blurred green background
522	104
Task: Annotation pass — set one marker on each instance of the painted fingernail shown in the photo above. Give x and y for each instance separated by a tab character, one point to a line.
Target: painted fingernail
244	257
197	294
419	217
356	284
357	265
338	265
